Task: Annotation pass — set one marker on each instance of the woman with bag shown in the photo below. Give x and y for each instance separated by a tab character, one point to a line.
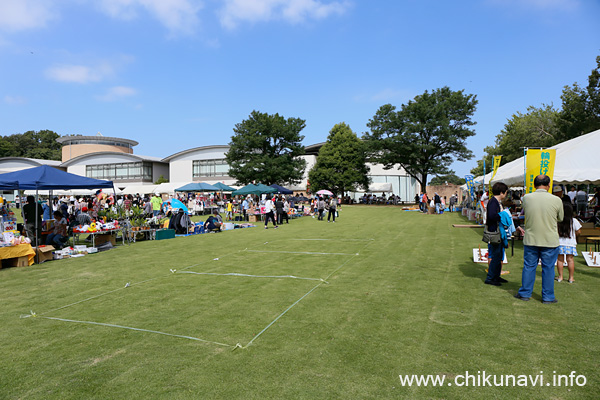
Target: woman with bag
492	231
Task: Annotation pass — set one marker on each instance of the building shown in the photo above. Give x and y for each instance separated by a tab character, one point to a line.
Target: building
113	158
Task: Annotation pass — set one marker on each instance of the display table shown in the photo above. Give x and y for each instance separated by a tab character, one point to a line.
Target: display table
94	235
21	250
148	233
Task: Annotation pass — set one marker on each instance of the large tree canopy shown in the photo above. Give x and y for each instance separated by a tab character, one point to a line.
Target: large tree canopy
31	144
426	135
536	128
341	164
265	148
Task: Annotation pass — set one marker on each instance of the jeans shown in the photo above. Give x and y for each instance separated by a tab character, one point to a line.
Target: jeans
496	254
531	255
55	238
331	212
155	212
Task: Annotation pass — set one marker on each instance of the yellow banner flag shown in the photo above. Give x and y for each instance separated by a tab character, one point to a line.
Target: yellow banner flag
539	162
495	166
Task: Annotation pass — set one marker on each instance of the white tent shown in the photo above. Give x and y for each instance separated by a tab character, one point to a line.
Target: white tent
576	162
168	187
141	189
378	187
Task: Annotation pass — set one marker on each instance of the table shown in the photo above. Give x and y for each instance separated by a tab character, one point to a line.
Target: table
149	233
595	240
94	234
20	250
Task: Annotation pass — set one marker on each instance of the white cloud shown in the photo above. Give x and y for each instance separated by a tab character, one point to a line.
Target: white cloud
178	16
15	100
79	73
20	15
117	93
294	11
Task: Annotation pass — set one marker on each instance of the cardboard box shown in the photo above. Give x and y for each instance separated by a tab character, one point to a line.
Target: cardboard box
107	237
251	218
17	262
44	253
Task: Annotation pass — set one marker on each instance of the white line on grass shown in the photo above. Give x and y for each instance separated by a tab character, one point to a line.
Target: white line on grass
136	329
340	240
303	252
249	276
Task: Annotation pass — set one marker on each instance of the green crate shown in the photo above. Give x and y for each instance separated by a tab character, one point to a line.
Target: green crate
165	234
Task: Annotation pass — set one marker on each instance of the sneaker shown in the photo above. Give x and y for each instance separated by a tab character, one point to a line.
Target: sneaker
276	227
518	296
266	227
549	301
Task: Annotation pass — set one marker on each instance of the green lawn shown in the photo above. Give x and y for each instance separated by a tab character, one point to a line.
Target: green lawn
387	293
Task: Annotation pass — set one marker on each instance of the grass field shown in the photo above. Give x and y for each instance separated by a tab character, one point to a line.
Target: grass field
384	293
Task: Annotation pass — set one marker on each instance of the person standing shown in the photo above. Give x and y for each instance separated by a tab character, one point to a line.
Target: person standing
332	208
245	207
581	201
269	207
156	204
33	219
568	230
437	201
572	194
543	211
321	208
495	251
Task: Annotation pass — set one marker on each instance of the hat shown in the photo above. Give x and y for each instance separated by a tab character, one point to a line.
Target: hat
84	209
557	188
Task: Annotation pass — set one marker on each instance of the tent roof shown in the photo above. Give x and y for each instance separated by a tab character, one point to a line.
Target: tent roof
223	187
197	187
48	178
168	187
254	189
281	189
141	189
576	162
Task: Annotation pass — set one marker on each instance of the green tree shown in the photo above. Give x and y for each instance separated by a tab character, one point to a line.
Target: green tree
32	144
426	135
161	179
580	113
448	178
341	164
536	128
266	148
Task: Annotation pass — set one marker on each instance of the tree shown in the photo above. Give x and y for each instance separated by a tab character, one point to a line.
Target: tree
32	144
426	135
449	178
266	148
341	164
580	112
161	179
536	128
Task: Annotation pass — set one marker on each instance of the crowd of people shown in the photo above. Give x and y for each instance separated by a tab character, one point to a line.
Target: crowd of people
549	234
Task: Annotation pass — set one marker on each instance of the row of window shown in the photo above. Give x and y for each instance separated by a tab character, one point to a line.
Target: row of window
203	168
122	171
143	170
105	142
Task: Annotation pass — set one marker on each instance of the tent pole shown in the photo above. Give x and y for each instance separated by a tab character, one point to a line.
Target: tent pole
37	244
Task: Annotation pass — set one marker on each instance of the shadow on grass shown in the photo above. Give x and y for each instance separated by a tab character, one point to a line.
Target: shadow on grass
477	271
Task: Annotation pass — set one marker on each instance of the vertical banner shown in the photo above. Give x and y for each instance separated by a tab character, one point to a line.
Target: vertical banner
495	166
470	186
539	162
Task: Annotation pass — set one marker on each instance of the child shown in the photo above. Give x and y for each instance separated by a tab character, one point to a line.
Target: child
229	211
567	231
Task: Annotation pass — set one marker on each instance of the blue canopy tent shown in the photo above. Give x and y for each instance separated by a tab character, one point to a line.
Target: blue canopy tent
223	187
48	178
281	189
198	187
254	189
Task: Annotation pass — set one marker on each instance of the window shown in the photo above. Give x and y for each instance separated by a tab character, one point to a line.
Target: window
203	168
121	171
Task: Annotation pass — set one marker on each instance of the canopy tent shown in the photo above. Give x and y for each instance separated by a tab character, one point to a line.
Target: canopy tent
198	187
254	189
223	187
378	187
139	189
281	189
168	187
45	177
576	162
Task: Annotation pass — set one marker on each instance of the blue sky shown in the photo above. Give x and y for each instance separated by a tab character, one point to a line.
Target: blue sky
177	74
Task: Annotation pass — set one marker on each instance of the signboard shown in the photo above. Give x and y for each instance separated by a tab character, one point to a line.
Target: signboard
539	162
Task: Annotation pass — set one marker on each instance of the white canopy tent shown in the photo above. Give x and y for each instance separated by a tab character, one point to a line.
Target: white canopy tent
168	187
576	162
139	189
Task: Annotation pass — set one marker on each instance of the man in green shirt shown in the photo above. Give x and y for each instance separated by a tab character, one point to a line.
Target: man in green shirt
156	204
543	211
